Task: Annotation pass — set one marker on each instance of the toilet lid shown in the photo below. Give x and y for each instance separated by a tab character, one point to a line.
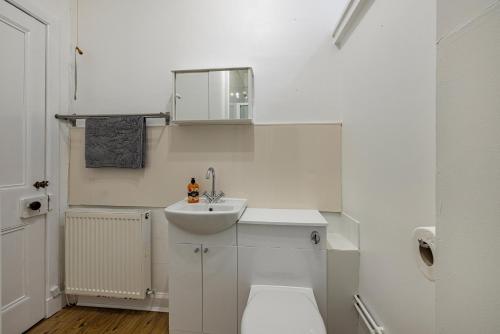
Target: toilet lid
281	312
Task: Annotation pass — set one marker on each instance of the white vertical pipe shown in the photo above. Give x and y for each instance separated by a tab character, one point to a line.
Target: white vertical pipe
366	317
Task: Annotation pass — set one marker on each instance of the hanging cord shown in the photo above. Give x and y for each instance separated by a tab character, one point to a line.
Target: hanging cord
76	75
78	51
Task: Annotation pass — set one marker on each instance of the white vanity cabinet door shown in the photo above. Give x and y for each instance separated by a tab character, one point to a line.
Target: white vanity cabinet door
191	96
185	287
220	290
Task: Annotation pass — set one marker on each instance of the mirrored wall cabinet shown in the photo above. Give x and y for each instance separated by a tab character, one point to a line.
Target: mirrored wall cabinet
218	96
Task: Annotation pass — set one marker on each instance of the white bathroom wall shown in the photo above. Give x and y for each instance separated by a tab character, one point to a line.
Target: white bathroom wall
387	98
381	85
468	160
131	47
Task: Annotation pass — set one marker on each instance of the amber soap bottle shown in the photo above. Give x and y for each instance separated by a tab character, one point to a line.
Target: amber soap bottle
193	191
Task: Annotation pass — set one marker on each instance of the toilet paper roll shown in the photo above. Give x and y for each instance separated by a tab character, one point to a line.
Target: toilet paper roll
424	239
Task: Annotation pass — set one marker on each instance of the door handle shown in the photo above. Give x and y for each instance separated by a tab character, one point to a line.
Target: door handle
197	249
35	206
205	250
41	184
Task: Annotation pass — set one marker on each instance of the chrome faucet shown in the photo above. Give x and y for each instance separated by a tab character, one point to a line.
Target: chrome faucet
212	197
211	172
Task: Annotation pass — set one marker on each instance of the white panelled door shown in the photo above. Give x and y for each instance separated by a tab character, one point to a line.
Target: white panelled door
22	163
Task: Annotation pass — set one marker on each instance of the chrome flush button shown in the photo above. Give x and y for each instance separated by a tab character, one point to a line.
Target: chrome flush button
315	237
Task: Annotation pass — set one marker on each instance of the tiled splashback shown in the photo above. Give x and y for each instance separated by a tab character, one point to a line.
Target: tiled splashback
276	166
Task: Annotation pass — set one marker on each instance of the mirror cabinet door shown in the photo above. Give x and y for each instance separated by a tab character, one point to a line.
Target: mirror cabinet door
228	95
191	96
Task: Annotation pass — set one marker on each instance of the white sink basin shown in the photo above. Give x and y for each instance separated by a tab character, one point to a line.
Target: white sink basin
205	218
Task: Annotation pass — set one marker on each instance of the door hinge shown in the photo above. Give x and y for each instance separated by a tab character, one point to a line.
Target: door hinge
41	184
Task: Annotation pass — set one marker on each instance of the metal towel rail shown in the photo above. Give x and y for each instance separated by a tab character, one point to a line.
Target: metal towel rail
72	118
366	316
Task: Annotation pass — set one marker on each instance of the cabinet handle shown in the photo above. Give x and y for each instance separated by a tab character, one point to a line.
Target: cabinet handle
205	250
197	249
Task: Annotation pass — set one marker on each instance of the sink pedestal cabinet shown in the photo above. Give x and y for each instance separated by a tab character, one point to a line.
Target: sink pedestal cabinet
203	282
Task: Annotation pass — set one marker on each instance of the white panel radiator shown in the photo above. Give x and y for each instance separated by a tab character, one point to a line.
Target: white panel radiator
108	253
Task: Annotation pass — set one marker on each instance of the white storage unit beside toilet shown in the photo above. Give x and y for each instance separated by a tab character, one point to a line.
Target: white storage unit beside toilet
281	248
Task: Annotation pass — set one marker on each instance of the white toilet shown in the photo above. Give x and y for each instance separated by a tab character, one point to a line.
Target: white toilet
281	310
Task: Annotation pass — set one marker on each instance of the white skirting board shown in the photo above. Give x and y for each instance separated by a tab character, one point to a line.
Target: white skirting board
156	303
53	305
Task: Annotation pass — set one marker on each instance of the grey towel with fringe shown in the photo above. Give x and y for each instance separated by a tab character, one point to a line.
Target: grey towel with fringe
118	141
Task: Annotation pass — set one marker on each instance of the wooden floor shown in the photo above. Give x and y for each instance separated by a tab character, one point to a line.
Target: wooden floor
79	320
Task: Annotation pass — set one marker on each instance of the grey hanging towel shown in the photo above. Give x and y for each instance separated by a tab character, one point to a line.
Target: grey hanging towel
115	142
